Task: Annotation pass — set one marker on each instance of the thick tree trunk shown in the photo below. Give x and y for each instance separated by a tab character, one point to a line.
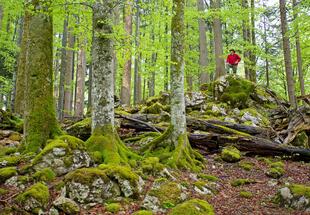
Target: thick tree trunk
21	76
203	52
298	53
80	80
126	81
102	54
287	55
61	97
40	121
68	75
218	40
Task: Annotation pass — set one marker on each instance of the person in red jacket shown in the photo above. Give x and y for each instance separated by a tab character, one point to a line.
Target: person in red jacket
232	61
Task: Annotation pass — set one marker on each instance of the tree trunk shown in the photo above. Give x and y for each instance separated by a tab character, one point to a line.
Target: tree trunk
266	52
246	40
90	87
80	79
40	121
137	80
218	41
126	81
253	42
287	55
61	97
203	52
68	75
21	76
298	53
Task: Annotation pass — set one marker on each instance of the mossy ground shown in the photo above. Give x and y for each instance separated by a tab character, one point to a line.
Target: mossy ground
6	173
193	207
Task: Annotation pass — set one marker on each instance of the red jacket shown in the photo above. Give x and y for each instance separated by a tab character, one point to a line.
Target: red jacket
233	59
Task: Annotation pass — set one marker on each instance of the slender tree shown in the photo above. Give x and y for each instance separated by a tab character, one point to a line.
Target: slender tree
203	52
218	41
40	120
287	55
80	79
126	80
137	76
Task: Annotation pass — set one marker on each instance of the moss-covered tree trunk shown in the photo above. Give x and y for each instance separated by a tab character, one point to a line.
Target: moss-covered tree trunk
40	121
80	80
19	105
104	143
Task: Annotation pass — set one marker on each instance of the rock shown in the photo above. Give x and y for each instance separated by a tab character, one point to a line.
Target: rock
63	155
301	140
18	182
230	154
162	195
34	198
193	206
94	185
66	205
296	196
53	211
81	129
194	99
248	117
218	110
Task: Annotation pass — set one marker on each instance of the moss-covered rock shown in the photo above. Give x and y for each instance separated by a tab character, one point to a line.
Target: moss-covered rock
230	154
81	129
6	173
113	207
193	207
205	187
45	175
151	165
143	212
94	185
10	121
62	155
245	194
296	196
246	165
301	140
66	205
155	108
163	194
11	160
242	181
211	178
276	170
19	182
34	198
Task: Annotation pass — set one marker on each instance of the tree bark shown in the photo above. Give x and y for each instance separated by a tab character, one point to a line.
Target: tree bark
246	40
21	76
126	81
68	75
218	40
61	97
40	121
287	55
80	79
253	42
137	80
298	53
203	52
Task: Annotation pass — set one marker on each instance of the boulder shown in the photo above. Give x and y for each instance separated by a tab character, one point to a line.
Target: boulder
63	155
66	205
230	154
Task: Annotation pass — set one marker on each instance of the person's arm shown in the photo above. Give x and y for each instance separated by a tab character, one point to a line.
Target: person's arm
227	59
238	59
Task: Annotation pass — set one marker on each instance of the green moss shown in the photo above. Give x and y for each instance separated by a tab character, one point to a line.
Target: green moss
81	129
143	212
300	190
200	184
113	207
3	191
275	172
246	165
245	194
211	178
105	146
301	140
10	160
167	192
230	154
86	175
278	164
151	165
38	191
67	142
238	91
123	172
241	181
265	160
46	175
6	173
155	108
15	136
193	207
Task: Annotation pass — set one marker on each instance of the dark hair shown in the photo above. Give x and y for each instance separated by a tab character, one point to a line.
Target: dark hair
232	50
